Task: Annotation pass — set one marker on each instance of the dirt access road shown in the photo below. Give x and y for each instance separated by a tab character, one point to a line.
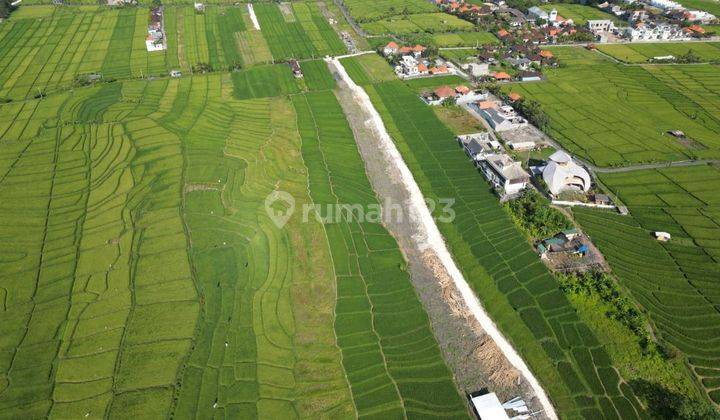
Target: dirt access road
472	354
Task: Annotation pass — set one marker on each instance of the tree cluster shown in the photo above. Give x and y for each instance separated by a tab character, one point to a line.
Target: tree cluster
534	113
603	286
532	212
5	8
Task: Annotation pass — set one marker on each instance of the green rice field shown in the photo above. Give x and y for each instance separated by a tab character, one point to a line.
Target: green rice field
418	23
44	48
368	68
307	35
464	39
641	53
676	281
516	288
711	6
143	276
365	11
613	114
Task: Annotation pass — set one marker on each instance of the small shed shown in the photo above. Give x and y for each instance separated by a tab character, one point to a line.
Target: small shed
295	66
662	236
486	406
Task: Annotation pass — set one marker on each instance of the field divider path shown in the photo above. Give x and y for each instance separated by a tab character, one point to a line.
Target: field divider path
433	240
253	18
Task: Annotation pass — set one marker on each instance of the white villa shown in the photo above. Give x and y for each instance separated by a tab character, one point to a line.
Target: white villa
504	173
659	32
600	25
562	174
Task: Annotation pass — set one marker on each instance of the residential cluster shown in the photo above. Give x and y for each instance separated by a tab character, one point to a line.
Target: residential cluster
155	40
667	20
411	61
459	95
494	62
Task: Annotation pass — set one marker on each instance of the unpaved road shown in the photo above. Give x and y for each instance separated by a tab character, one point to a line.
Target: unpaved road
472	354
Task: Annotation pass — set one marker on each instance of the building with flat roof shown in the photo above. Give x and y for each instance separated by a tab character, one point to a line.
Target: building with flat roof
504	173
478	145
503	119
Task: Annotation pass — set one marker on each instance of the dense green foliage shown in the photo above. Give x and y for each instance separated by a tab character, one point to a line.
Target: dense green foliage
603	285
5	8
533	214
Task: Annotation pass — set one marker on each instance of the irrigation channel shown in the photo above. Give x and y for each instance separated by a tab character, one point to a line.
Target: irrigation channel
476	351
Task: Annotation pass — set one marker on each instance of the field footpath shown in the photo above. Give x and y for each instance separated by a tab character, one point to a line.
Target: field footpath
429	239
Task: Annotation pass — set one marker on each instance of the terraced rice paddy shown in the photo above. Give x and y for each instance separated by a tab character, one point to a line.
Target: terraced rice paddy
142	275
417	23
308	35
641	53
368	68
515	286
391	358
44	55
464	39
613	114
676	282
364	11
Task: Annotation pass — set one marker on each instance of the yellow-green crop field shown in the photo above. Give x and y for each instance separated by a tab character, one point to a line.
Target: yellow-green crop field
613	114
44	48
676	281
142	275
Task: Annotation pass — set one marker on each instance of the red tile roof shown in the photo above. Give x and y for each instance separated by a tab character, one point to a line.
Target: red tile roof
462	89
501	75
546	54
444	92
487	104
392	45
514	96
